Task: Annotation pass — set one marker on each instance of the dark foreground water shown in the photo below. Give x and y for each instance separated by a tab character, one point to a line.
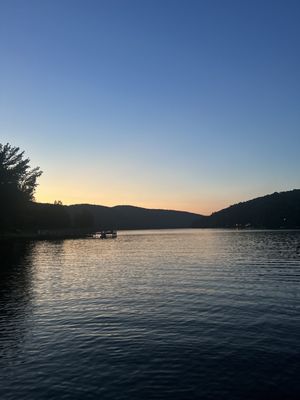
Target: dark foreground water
152	315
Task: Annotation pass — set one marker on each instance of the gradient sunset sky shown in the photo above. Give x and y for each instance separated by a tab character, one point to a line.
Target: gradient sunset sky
190	105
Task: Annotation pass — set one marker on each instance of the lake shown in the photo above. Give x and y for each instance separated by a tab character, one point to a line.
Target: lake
174	314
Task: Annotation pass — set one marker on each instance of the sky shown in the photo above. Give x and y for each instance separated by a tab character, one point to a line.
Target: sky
187	105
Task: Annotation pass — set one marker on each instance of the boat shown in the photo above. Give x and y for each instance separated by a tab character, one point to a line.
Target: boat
105	234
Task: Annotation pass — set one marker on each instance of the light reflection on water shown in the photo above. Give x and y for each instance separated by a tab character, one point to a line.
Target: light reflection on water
160	314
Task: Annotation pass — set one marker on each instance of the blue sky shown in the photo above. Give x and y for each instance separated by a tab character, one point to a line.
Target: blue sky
173	104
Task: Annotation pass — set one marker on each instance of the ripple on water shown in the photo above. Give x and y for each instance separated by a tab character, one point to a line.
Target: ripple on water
152	315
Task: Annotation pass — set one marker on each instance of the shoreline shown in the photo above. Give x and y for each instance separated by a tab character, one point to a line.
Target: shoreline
82	234
45	234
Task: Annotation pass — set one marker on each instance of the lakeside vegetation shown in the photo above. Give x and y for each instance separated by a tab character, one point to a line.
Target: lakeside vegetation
20	215
273	211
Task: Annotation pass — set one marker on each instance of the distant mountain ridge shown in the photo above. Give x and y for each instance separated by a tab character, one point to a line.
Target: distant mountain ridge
273	211
131	217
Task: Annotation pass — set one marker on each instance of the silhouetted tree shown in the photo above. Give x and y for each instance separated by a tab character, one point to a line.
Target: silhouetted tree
17	185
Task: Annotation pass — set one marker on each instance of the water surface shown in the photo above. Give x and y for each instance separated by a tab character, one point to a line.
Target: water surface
195	314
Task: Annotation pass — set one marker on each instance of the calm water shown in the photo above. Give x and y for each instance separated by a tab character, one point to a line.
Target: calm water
152	315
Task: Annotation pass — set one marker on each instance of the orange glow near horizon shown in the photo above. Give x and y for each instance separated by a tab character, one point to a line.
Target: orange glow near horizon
109	189
204	206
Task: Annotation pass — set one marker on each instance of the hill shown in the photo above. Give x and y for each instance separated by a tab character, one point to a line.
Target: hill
274	211
96	217
130	217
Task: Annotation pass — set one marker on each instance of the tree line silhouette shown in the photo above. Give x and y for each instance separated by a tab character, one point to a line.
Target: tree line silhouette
18	210
273	211
20	213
